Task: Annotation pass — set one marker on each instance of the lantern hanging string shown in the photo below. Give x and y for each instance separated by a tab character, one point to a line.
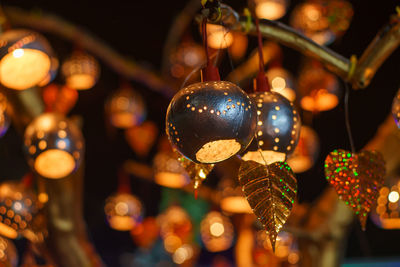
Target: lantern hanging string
347	120
262	81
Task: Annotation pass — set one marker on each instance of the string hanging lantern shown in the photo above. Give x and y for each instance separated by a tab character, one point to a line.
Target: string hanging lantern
81	70
123	210
318	88
24	59
53	145
306	152
18	207
4	117
216	232
126	108
211	121
168	171
396	109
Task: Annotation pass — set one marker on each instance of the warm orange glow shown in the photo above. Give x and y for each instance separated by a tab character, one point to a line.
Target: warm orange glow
123	120
281	82
217	151
54	163
7	231
265	156
81	71
172	180
218	36
393	196
239	46
24	68
217	229
121	223
319	100
300	163
270	9
81	81
235	204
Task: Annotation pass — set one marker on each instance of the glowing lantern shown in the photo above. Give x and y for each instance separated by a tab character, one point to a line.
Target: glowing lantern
4	117
277	131
322	21
8	253
54	146
210	122
81	71
232	198
319	89
168	171
24	59
183	254
270	9
387	213
175	228
218	36
216	232
18	206
281	82
51	75
306	152
124	211
396	108
126	108
185	59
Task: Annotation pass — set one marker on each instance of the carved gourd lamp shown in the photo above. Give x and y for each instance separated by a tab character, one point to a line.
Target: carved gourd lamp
53	145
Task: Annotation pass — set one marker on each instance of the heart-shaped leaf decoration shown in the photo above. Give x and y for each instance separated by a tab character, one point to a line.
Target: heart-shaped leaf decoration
270	191
357	179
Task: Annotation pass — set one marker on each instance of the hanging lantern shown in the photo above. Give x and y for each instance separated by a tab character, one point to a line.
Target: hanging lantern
24	59
270	9
54	146
168	171
126	108
51	75
232	198
4	117
322	20
387	213
218	36
318	88
8	253
175	228
277	131
80	70
216	232
281	82
183	254
124	211
185	59
18	206
306	152
210	122
396	108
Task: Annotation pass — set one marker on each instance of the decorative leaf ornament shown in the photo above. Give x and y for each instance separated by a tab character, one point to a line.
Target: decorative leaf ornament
197	172
270	191
357	179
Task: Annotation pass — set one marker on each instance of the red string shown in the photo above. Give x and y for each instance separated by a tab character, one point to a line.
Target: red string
27	180
124	185
210	72
262	84
205	41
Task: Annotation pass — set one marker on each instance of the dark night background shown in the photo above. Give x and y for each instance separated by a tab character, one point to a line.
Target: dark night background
137	30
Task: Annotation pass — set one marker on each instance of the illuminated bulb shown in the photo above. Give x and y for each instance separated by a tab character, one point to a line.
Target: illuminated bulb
25	59
222	130
281	82
126	108
123	211
48	154
270	9
393	196
218	36
216	232
280	121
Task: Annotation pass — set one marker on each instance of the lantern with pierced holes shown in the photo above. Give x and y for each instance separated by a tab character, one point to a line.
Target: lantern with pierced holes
232	198
124	211
281	82
4	117
54	146
396	109
81	71
209	122
278	128
24	59
306	152
216	232
168	171
126	108
18	206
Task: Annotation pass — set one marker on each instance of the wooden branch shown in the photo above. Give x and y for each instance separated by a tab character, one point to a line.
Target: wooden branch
386	41
48	23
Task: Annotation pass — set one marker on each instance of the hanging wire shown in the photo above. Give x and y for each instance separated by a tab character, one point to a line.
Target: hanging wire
346	114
